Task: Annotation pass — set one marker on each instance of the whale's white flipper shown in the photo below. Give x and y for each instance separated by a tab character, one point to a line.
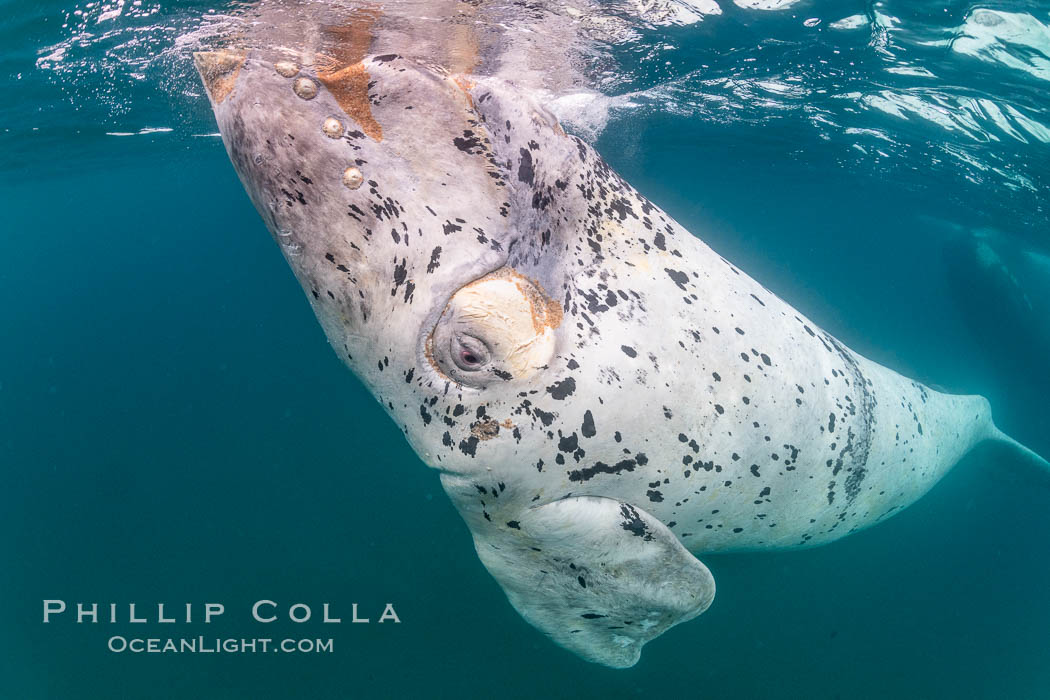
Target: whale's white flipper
598	576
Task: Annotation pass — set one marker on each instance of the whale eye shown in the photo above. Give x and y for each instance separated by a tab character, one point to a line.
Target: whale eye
469	353
495	329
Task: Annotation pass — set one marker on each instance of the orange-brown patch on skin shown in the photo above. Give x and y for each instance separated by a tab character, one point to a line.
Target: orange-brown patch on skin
349	87
219	71
546	312
554	313
466	85
463	46
428	352
341	71
507	424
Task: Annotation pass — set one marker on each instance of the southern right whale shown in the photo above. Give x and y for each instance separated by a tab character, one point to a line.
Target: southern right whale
603	394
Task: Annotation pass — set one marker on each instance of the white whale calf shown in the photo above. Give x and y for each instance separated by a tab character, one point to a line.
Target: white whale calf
605	396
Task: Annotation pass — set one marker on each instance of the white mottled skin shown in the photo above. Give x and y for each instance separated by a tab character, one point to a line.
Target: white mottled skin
680	435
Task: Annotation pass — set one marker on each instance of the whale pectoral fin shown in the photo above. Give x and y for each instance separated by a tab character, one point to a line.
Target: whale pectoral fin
598	576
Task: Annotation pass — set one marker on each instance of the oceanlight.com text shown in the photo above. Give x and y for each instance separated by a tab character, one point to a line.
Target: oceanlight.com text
218	645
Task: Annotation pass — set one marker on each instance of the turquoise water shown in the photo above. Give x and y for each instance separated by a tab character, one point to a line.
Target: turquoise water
174	427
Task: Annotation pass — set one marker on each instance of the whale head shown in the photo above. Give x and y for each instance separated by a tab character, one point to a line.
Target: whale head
426	216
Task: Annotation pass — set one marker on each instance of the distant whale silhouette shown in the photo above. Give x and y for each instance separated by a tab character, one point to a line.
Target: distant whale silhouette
1001	285
1008	274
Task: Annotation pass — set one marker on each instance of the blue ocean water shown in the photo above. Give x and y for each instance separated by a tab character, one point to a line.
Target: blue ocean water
174	427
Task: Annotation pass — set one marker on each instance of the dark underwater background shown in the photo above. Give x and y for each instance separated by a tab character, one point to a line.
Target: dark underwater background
174	427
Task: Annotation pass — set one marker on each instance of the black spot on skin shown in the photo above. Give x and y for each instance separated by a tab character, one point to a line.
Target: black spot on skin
754	470
629	351
545	418
588	430
658	240
581	581
654	496
569	443
633	523
514	524
591	616
525	172
386	58
469	143
560	390
679	278
586	473
434	256
400	274
469	446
